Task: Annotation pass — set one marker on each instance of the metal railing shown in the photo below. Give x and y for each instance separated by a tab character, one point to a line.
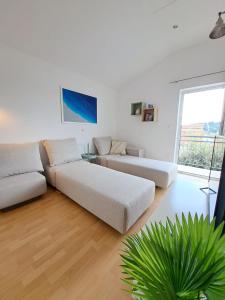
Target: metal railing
205	152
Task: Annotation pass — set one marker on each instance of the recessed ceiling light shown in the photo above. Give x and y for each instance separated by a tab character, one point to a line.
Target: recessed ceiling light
175	26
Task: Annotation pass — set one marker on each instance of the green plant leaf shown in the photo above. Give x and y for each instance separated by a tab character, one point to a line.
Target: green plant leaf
179	260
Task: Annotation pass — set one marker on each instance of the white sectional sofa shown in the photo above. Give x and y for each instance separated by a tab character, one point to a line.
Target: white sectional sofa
20	177
163	173
116	198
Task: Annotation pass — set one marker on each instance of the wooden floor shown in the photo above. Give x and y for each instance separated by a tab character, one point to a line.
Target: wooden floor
54	249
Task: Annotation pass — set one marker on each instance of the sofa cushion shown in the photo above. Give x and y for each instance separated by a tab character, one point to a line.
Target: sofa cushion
19	158
118	147
103	144
19	188
62	151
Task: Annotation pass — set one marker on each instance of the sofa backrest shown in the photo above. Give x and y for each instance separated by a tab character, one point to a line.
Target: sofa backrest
62	151
102	144
19	159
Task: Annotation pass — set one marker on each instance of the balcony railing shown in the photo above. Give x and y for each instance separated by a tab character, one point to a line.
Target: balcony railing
205	152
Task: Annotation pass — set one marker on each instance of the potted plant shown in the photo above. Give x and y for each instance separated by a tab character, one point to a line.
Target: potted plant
181	260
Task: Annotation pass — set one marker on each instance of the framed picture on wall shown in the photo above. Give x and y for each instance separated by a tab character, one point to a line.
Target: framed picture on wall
77	107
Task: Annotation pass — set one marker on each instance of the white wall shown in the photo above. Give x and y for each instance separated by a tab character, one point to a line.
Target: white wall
30	100
158	139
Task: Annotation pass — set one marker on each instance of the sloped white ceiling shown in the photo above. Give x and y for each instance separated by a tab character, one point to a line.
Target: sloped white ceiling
109	40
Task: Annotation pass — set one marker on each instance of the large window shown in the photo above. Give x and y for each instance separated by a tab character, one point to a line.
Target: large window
202	128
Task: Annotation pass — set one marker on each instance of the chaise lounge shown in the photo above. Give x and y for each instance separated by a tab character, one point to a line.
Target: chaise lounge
116	198
116	155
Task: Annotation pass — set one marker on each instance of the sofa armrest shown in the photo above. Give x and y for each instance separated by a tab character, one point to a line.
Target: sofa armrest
134	151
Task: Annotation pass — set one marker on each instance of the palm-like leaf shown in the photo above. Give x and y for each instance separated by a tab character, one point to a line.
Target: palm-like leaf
184	260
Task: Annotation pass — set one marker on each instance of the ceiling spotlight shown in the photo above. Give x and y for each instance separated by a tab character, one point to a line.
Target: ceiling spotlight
219	30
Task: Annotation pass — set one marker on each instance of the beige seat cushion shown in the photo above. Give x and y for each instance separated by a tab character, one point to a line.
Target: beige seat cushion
118	147
103	144
19	188
19	158
62	151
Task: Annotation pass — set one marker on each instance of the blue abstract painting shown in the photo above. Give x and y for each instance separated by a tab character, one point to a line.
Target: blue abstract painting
77	107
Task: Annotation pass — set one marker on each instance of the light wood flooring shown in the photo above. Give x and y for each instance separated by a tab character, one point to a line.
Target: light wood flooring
54	249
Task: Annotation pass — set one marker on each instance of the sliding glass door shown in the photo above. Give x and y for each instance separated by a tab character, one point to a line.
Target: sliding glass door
201	138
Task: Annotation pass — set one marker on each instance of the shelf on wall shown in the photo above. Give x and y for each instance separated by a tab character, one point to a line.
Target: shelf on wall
149	114
146	111
137	108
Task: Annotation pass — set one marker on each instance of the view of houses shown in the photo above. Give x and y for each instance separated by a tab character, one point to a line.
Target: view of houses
199	143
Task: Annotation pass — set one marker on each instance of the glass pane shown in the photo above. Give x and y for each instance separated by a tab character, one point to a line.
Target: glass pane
200	141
